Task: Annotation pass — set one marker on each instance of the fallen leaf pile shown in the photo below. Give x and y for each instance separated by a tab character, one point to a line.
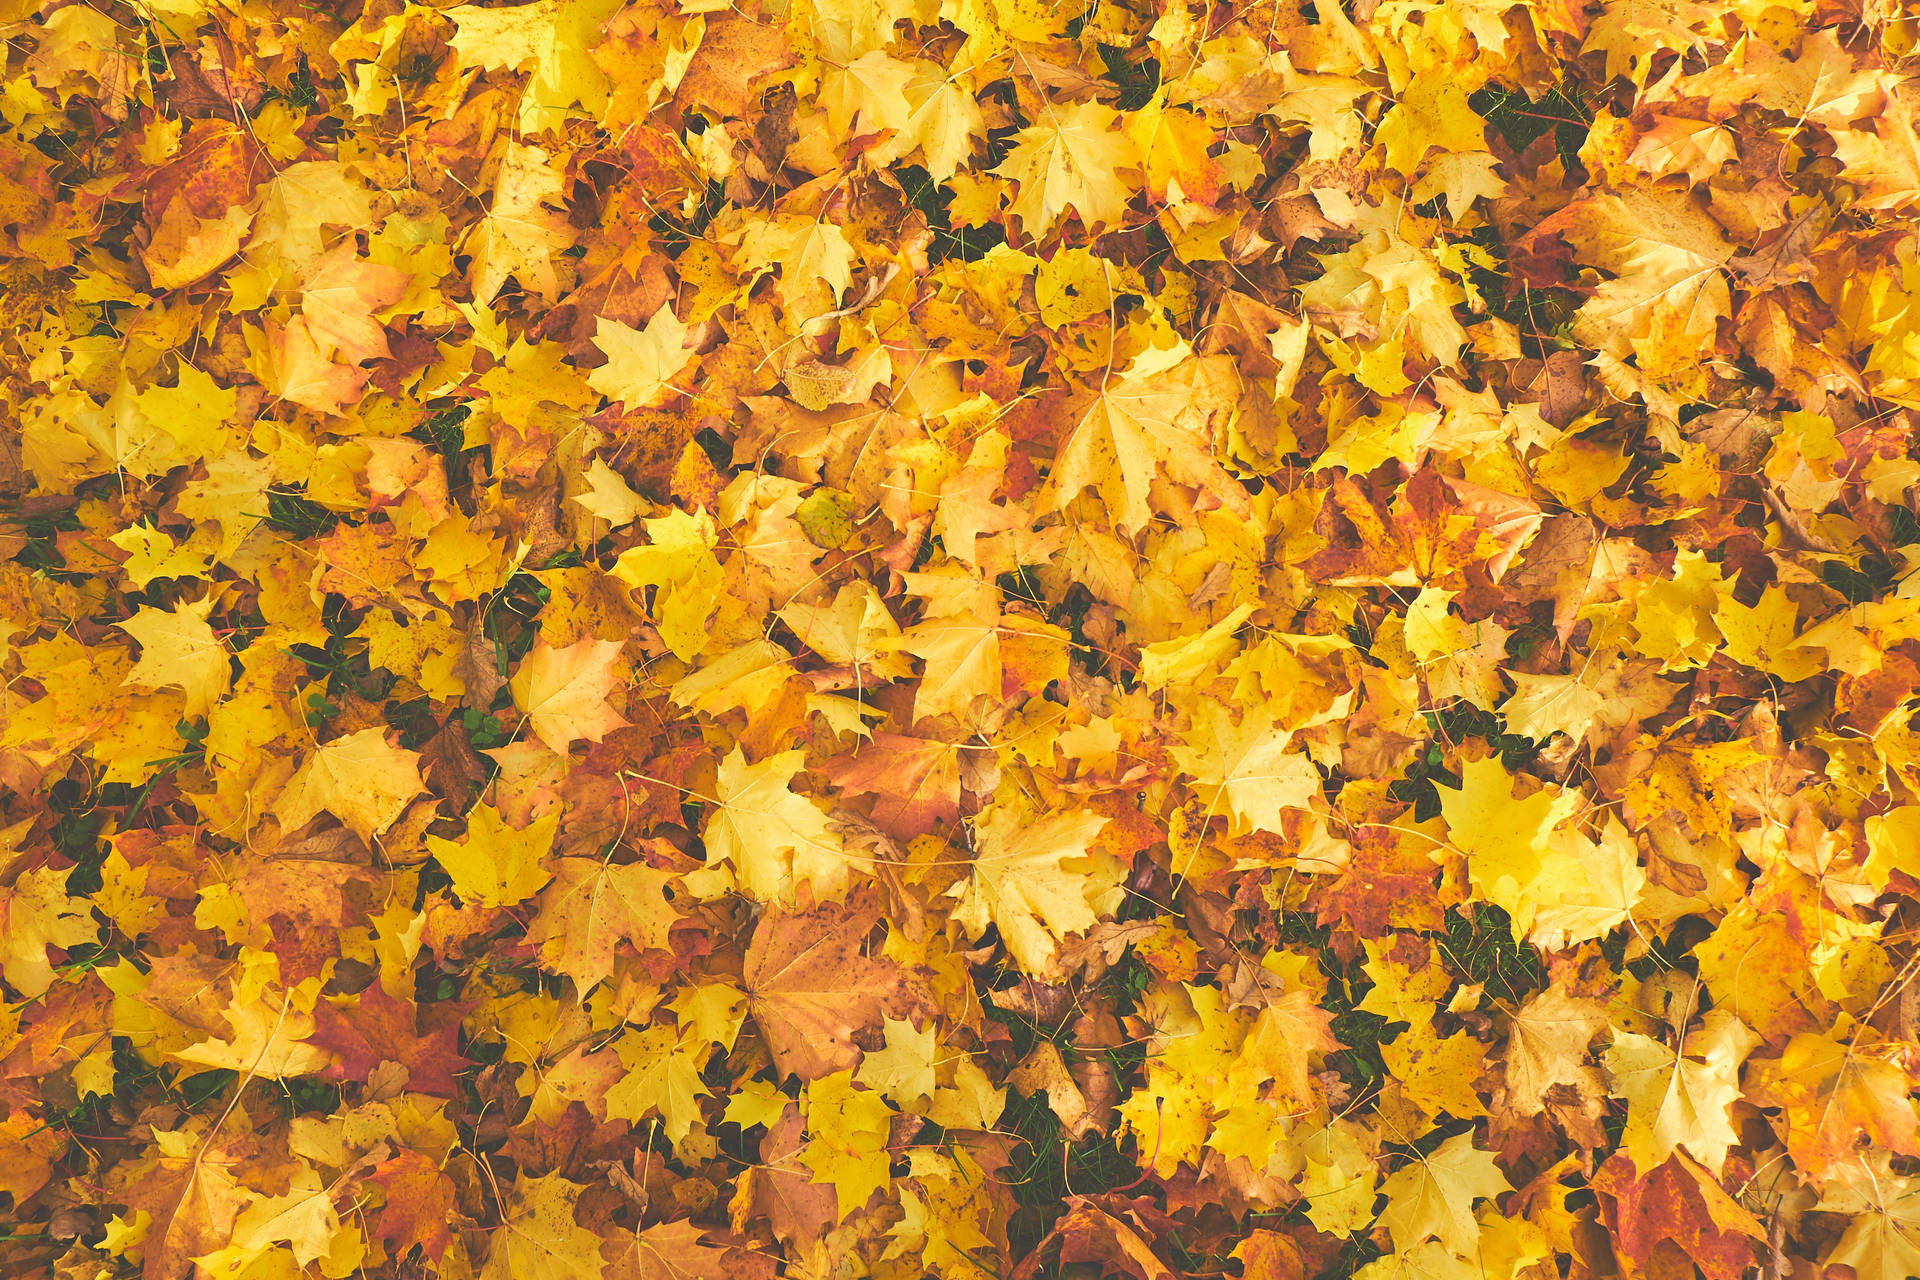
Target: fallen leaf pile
662	639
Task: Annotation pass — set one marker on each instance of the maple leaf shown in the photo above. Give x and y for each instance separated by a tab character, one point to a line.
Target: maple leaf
1247	769
361	779
29	1155
1070	160
302	199
1432	113
186	249
39	914
774	839
782	1189
855	628
540	1237
377	1031
609	497
678	562
1151	419
916	782
943	119
564	691
178	647
641	363
419	1207
1045	1071
1173	146
1035	881
304	1220
1763	637
1669	288
1548	1047
810	990
871	89
659	1074
1680	1099
1678	1210
591	907
493	864
555	36
1288	1029
683	1251
1502	836
1429	1260
1585	888
1437	1072
191	1201
903	1070
338	300
847	1146
306	376
267	1039
1433	1195
807	251
963	663
1835	1099
1090	1234
1544	705
1883	1239
524	230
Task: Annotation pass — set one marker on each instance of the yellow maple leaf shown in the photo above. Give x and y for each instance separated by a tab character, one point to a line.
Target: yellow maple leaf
186	249
1035	880
1668	289
524	230
1502	836
153	554
268	1040
1070	159
808	251
494	864
555	37
564	691
1763	637
301	199
304	1220
848	1130
662	1077
1882	1242
678	563
179	648
962	664
903	1070
591	907
1246	770
1287	1031
868	94
1153	420
1435	1072
609	496
1433	1195
1432	113
361	779
540	1237
773	838
39	914
641	363
1548	1046
1340	1178
1680	1099
1584	888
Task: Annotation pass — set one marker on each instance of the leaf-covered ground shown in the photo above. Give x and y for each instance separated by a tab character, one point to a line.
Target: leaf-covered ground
962	638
